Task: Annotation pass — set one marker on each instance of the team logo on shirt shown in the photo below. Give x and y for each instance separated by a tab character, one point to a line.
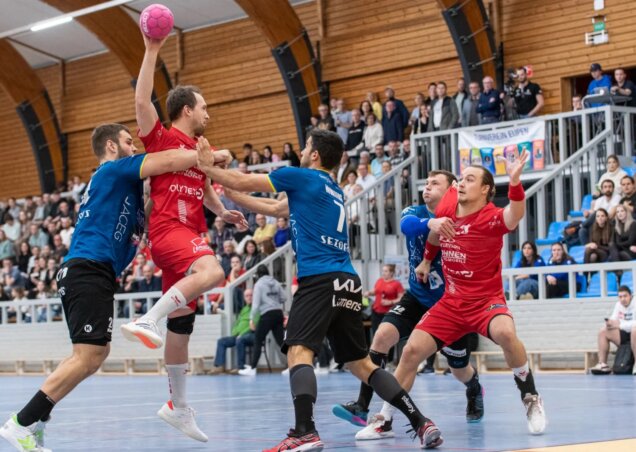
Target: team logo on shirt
199	244
495	222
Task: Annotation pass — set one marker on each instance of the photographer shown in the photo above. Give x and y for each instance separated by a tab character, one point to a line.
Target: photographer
528	96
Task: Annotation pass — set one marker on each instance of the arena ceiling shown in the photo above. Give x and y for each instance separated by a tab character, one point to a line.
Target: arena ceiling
70	40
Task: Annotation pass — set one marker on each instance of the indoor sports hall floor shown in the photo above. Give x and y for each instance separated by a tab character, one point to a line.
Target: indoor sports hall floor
116	413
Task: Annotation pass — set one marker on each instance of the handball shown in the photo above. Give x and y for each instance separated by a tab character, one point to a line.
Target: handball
156	21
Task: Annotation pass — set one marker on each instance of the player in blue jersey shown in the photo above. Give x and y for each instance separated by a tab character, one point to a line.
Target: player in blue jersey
109	226
404	316
328	302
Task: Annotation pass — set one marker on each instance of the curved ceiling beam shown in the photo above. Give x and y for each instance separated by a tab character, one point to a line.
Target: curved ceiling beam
293	53
120	34
36	111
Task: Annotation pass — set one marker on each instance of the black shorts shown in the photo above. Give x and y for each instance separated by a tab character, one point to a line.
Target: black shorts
405	315
625	337
87	289
328	305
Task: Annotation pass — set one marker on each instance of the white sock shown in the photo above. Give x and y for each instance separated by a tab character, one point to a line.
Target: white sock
170	301
521	372
177	383
387	411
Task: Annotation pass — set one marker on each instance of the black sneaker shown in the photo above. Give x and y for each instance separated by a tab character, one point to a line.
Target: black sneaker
351	412
475	406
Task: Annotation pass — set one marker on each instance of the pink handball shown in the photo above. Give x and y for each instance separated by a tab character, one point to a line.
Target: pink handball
156	21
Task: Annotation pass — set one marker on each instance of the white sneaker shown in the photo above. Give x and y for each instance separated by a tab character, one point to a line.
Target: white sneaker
286	372
143	330
21	438
634	370
248	371
39	433
377	428
182	419
535	413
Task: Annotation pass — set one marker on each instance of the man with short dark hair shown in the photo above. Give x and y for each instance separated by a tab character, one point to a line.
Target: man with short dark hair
470	117
600	84
629	195
355	132
624	87
444	113
326	121
528	95
460	98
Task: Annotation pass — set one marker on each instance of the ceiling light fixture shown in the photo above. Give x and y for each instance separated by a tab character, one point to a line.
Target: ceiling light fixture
51	23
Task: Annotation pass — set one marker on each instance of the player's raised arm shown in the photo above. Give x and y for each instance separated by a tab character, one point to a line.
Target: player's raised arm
266	206
144	109
516	209
229	178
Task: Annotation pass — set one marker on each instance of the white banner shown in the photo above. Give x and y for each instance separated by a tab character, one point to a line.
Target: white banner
484	147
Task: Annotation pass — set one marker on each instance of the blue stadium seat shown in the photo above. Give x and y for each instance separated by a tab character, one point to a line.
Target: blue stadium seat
628	280
546	254
594	290
630	170
577	253
586	204
516	257
555	233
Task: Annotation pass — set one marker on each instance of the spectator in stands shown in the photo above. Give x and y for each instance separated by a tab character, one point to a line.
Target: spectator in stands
343	169
387	292
432	94
326	121
619	328
415	113
624	87
365	159
392	123
372	98
366	108
376	163
59	249
255	158
557	283
252	256
38	214
489	106
421	123
365	180
7	249
267	248
599	248
460	98
342	119
24	254
247	152
600	84
268	299
395	157
528	96
240	337
614	173
148	283
282	232
400	108
11	227
219	234
527	286
269	156
607	199
290	154
35	255
351	181
373	132
629	194
577	102
333	105
264	230
37	237
52	266
77	188
470	117
67	231
13	208
18	294
624	234
355	133
11	276
64	211
444	113
228	253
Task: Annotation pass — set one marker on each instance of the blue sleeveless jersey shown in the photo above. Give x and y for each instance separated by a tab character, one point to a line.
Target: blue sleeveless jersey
316	219
111	217
427	294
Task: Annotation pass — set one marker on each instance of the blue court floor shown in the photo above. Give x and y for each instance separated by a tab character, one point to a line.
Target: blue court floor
115	413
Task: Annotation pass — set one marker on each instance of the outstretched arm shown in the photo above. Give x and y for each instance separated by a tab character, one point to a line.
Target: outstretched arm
516	209
211	201
176	160
144	109
266	206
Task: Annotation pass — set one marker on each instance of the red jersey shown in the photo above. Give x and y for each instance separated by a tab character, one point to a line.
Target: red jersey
472	260
177	197
386	290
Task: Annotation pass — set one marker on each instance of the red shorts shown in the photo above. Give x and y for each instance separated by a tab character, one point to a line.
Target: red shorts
174	251
452	318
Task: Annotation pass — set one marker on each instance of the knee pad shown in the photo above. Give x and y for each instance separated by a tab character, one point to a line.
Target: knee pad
182	325
457	359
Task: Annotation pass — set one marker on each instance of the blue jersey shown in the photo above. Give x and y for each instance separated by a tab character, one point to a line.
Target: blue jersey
427	294
111	217
316	219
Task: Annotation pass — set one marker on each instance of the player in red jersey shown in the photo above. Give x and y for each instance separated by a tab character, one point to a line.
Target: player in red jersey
176	225
474	298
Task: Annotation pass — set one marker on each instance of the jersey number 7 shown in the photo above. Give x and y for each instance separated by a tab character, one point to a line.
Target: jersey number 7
341	218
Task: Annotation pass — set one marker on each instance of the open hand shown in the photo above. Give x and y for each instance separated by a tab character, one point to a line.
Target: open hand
205	158
515	167
235	217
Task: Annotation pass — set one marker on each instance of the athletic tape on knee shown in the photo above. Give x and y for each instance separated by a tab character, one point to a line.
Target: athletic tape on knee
182	325
302	380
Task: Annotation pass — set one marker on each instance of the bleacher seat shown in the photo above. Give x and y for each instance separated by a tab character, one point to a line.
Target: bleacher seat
594	289
555	233
630	170
586	204
628	280
577	253
546	254
516	257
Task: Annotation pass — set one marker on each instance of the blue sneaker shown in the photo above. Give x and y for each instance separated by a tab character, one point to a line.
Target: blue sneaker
475	406
352	413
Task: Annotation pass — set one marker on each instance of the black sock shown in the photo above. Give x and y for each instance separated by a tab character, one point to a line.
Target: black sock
366	391
430	361
388	388
526	387
38	408
304	391
473	387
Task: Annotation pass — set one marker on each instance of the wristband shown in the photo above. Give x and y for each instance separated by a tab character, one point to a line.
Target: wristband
430	251
516	192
